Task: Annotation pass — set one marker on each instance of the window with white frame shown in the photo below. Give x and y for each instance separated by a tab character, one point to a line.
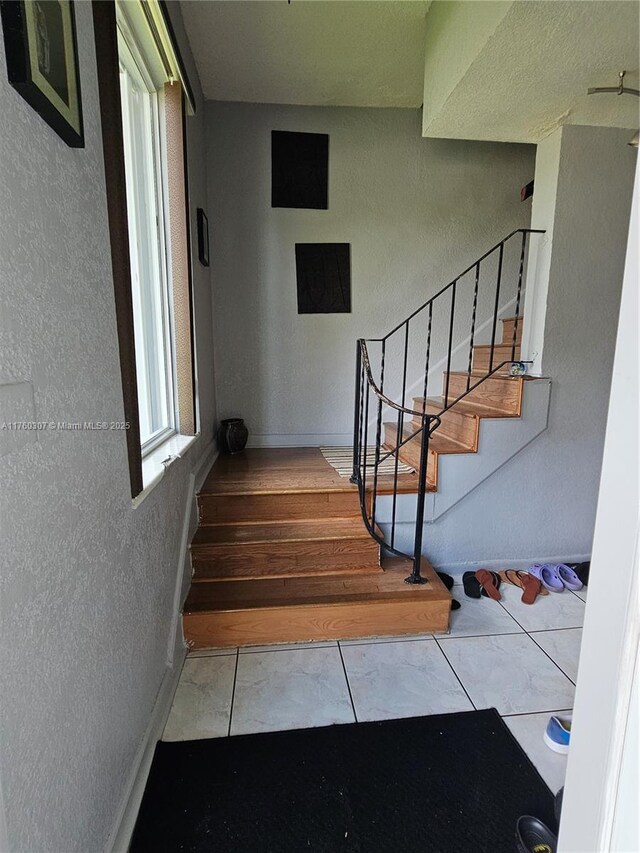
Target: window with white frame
143	149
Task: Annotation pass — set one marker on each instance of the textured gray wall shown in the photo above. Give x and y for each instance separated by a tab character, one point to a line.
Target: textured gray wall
87	581
415	211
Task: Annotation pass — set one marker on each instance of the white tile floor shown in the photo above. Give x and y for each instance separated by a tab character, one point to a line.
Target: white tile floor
520	659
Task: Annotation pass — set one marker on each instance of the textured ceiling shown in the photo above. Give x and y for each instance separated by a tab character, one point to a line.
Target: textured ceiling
316	52
531	70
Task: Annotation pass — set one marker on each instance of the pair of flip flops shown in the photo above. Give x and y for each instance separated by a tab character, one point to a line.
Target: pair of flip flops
556	576
529	584
483	582
487	583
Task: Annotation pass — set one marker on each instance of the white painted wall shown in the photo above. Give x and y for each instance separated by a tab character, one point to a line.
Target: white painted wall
416	212
541	505
456	33
513	72
87	582
542	216
600	808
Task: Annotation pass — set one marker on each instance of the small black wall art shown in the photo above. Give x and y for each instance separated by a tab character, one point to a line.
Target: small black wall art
42	62
299	169
203	238
323	272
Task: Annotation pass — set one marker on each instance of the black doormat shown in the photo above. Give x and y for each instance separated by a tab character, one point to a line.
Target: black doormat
453	783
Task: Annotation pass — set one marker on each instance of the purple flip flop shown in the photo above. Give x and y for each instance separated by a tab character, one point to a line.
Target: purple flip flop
568	577
547	574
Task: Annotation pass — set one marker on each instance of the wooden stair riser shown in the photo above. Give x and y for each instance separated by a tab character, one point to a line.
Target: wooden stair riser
501	352
497	393
232	509
305	623
284	559
410	454
455	425
507	331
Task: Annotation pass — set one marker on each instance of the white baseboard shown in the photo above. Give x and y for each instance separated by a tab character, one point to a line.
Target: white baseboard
120	837
337	439
204	463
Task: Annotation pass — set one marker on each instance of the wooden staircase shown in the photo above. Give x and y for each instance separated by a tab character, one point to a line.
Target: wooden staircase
281	555
500	396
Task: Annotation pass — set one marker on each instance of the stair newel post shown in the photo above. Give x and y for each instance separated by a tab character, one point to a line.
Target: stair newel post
357	416
416	577
518	295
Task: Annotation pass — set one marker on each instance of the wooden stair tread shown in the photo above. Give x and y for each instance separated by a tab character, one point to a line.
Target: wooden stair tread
467	408
281	531
437	443
285	471
267	593
497	346
498	376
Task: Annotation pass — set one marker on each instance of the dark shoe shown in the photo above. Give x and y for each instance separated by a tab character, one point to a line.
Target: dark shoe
447	580
471	585
533	836
582	570
558	804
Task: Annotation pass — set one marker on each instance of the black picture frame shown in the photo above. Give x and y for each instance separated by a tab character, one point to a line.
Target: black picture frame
299	170
42	62
323	278
203	238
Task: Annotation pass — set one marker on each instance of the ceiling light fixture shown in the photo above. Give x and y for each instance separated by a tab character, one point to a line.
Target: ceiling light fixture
620	89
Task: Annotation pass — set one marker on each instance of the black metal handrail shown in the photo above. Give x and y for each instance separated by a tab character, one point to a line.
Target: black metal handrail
366	474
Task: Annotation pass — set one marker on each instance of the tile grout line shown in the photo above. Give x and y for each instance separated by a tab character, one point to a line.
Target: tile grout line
344	669
444	654
233	691
528	633
535	713
259	650
553	661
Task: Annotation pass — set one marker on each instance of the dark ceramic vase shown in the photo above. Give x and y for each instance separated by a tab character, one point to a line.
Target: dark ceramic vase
232	435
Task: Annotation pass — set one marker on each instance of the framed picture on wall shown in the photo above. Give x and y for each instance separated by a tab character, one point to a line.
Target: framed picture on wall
42	62
203	238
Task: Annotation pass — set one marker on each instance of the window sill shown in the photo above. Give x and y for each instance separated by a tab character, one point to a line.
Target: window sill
156	463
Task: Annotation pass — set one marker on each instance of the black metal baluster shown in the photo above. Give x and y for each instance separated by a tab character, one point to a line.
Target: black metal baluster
474	311
520	277
426	360
357	416
378	437
399	433
363	382
496	306
451	321
365	447
415	577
